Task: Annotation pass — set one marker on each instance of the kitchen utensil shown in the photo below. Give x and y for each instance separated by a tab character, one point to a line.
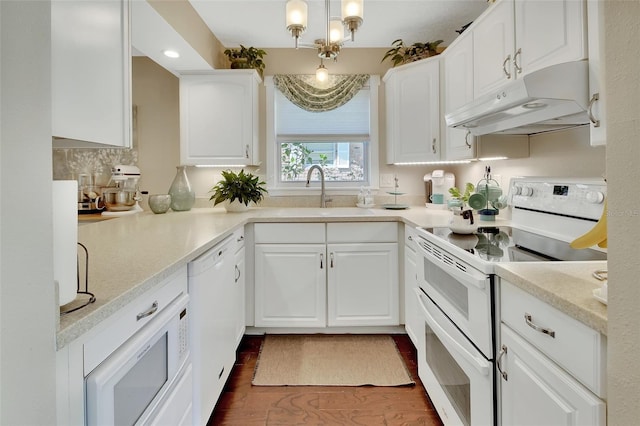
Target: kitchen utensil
121	196
159	203
118	199
477	201
500	203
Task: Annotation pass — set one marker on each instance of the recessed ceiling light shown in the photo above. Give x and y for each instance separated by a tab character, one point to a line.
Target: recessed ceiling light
171	53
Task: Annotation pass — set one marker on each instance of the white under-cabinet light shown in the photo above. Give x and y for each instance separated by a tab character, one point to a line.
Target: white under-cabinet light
171	54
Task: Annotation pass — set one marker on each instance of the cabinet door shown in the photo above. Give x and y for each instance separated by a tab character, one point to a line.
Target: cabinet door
290	281
413	113
412	320
597	67
549	32
493	47
458	91
362	284
538	392
239	294
218	118
91	71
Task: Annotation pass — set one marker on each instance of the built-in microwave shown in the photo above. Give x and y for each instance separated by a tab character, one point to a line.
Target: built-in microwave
147	376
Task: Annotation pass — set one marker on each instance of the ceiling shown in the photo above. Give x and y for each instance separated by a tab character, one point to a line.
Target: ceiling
261	23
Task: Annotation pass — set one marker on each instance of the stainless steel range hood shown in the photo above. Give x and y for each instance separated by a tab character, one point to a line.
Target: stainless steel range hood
552	98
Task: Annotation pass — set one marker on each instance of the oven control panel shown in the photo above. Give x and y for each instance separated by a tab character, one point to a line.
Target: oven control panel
581	197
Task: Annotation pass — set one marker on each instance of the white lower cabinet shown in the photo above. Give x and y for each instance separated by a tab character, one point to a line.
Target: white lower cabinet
301	281
412	321
362	284
290	285
538	392
552	368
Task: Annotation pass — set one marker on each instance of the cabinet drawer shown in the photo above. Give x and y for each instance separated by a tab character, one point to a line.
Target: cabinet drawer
370	232
575	347
289	233
114	331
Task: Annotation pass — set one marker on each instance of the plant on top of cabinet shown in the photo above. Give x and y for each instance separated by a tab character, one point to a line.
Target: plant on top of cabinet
246	57
402	54
242	188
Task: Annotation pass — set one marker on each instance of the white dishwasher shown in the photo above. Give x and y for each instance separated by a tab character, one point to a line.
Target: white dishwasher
212	325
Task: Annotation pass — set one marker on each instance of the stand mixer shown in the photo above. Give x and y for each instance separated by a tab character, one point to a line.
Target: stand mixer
122	194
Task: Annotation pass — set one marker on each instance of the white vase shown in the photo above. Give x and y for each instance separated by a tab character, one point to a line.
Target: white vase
235	206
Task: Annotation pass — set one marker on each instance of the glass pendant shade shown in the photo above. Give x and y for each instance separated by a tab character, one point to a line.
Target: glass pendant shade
336	30
296	11
352	14
322	74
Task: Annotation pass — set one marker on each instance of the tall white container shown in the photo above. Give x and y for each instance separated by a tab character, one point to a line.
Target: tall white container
65	238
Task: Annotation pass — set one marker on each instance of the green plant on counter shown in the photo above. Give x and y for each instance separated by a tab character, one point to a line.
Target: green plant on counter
242	186
402	54
464	197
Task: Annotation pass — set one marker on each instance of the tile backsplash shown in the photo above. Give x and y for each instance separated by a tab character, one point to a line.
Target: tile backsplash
68	163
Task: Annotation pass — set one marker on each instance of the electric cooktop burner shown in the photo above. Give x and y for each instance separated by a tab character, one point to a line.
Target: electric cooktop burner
507	244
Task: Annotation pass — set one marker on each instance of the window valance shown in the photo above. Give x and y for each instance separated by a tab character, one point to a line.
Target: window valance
309	94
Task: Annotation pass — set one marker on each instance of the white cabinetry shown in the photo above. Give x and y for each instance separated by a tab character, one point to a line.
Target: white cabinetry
597	68
91	71
300	281
552	367
517	37
219	118
412	321
457	65
412	95
239	282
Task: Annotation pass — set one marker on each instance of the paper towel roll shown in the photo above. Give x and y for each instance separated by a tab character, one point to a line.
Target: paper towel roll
65	238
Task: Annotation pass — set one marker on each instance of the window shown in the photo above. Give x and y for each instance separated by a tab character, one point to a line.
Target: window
343	141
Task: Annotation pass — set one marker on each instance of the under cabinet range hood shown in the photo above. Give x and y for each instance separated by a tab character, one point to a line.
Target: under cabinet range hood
552	98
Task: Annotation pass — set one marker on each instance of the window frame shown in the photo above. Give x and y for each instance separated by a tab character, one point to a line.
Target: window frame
276	187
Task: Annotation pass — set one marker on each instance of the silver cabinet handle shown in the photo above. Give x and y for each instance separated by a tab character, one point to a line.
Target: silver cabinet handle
503	351
466	139
331	256
547	331
238	271
240	239
504	66
246	151
433	146
515	61
321	260
593	100
152	310
410	238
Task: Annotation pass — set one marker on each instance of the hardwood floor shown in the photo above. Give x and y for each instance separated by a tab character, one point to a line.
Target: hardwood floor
246	405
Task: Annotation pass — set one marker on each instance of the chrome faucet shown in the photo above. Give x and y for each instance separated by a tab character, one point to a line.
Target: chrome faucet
323	200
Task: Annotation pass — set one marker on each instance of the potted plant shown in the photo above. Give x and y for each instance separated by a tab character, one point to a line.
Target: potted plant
246	57
403	54
237	190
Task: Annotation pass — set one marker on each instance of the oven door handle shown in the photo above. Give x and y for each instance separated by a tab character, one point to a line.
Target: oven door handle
478	279
479	363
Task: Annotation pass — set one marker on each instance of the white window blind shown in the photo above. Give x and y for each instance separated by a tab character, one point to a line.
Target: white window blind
351	118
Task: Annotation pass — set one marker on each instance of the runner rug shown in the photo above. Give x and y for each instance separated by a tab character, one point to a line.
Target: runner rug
330	360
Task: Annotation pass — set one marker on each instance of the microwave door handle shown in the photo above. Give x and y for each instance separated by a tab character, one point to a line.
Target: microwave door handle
477	362
479	281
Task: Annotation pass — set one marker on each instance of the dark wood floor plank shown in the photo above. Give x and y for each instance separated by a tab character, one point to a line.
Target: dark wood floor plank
242	404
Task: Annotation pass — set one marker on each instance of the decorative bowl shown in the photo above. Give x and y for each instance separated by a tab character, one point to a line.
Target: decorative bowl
159	203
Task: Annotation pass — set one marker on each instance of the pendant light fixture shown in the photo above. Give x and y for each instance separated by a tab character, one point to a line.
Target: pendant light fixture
352	19
322	73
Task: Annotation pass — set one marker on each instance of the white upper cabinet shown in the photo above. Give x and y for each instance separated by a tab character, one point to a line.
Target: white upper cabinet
457	66
91	71
517	37
412	94
597	66
219	118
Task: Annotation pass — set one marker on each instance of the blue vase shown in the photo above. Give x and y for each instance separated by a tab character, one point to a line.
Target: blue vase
182	196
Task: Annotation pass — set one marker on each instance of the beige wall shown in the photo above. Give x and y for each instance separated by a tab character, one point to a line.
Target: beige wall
622	34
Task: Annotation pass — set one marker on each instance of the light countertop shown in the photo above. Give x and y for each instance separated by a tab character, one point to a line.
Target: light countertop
132	254
567	286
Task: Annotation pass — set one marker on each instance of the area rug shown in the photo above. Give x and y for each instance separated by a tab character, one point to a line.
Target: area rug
330	360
